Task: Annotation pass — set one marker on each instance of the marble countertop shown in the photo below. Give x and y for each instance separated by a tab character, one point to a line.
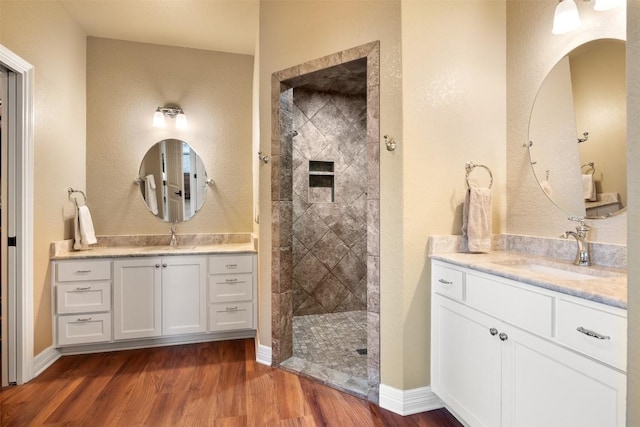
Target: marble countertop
139	251
603	284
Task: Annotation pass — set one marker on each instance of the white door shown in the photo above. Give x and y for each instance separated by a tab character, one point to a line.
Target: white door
175	180
466	365
137	298
547	385
184	298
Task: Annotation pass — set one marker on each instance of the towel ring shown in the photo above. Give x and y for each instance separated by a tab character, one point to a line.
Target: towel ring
469	167
70	191
589	165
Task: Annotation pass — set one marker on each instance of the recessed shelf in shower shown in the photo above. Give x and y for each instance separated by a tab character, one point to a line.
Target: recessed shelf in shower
321	181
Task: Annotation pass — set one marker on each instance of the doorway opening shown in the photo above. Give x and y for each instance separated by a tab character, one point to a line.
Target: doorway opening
325	213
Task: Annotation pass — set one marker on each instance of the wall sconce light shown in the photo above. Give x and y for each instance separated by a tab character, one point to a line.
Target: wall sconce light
566	17
171	112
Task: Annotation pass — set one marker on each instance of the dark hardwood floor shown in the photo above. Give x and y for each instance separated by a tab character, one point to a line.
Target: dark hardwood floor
209	384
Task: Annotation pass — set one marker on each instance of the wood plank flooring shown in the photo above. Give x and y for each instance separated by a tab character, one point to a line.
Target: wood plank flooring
208	384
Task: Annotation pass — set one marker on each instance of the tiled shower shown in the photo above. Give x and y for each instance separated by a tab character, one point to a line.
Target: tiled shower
329	203
329	231
325	212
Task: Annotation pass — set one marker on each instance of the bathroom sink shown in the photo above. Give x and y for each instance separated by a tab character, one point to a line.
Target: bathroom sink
558	270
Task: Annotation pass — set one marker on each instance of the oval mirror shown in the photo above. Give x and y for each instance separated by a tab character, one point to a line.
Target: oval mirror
173	180
577	131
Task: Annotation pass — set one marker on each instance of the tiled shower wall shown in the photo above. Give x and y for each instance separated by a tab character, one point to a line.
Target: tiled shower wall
330	218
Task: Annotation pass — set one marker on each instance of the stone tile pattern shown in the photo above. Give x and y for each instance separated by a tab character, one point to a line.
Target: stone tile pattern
330	238
331	340
325	348
282	83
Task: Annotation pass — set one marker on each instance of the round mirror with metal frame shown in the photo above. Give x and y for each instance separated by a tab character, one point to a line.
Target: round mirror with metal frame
173	180
577	131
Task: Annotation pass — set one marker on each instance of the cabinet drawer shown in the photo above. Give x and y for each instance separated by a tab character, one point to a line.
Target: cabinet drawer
520	307
84	329
224	264
83	297
230	287
447	281
72	271
597	333
231	316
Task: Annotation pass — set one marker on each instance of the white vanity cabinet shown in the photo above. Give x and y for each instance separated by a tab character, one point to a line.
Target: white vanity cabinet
82	301
509	354
158	296
231	292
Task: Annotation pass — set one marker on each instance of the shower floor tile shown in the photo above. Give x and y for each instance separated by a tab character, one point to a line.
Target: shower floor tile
335	341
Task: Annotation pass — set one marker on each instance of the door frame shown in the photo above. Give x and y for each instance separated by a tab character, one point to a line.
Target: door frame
20	192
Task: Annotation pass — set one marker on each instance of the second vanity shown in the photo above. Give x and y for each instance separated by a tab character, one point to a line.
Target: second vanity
520	340
119	297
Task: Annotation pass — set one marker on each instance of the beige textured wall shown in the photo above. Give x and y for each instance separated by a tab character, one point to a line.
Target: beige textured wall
453	111
126	81
44	35
291	33
633	141
531	53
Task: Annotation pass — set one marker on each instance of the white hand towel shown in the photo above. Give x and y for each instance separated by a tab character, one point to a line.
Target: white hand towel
588	188
150	194
476	219
77	240
87	233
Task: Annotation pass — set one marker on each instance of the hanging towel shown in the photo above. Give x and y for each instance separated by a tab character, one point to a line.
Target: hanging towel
87	233
476	219
588	188
150	194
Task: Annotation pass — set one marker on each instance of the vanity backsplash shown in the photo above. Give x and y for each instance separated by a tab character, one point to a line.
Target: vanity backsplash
603	254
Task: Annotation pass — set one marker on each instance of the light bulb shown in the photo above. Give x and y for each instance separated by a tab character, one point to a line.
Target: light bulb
158	118
566	17
181	121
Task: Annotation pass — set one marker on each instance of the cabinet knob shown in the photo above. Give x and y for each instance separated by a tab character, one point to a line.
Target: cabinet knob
164	265
157	265
493	331
503	336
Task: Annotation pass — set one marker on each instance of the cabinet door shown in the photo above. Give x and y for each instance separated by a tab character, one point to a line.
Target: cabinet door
465	361
137	298
545	384
184	295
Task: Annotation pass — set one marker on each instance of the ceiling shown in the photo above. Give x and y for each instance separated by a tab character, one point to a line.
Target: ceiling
218	25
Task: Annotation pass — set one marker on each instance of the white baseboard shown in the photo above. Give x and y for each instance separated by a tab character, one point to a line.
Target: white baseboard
263	355
45	359
408	402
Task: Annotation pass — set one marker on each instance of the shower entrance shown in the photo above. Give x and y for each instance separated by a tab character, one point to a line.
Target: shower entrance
325	212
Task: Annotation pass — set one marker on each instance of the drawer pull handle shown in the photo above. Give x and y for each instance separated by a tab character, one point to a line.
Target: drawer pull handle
232	266
231	280
83	271
445	282
83	288
503	336
232	308
86	319
592	333
493	331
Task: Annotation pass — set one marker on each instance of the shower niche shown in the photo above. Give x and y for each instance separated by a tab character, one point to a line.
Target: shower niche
321	182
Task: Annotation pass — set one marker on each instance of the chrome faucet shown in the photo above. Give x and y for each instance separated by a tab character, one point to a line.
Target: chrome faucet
174	241
582	255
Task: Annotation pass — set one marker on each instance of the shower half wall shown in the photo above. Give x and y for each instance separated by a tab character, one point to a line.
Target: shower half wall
329	202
